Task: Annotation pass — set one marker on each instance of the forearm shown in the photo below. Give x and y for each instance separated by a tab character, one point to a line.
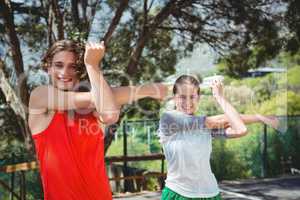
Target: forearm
250	119
246	118
101	92
222	121
128	94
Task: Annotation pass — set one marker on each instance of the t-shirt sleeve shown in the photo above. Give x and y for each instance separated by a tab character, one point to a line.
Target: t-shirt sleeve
175	122
218	133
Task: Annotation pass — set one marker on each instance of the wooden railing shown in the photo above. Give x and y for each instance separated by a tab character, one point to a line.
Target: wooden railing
23	167
141	178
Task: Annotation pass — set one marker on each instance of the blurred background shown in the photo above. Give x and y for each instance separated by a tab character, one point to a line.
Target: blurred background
253	45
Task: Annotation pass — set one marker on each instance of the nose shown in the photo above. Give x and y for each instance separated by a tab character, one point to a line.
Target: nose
64	71
191	98
189	103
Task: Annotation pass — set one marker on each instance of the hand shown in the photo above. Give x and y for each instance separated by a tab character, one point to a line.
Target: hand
94	52
217	88
269	120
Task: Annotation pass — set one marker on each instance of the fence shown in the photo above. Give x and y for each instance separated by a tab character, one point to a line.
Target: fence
275	153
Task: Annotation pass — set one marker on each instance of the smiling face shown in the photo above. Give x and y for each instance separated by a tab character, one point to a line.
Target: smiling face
187	98
64	63
62	70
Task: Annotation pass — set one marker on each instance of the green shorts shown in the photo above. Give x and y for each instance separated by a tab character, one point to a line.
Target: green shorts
168	194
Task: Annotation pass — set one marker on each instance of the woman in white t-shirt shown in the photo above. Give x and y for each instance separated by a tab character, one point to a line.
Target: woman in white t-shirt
187	140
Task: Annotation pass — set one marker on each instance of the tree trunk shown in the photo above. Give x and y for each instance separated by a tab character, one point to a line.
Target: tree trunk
16	104
10	95
75	13
59	20
18	101
137	52
84	5
145	35
49	27
115	21
15	50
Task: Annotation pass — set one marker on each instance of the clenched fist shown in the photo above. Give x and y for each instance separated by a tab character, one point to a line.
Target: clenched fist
94	52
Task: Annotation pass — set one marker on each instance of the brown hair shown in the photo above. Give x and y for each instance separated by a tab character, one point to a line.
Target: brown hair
66	45
186	79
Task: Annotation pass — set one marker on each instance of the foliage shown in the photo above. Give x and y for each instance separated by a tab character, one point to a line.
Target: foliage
247	33
141	140
225	162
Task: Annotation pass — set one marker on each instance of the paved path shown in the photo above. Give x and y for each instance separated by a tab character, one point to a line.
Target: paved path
286	188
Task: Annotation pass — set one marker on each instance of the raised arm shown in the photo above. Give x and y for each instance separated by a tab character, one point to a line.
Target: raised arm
236	126
101	92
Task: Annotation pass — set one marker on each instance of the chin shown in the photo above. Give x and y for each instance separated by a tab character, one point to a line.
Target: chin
187	112
65	87
190	112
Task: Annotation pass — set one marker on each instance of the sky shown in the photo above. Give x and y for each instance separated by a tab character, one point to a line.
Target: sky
201	61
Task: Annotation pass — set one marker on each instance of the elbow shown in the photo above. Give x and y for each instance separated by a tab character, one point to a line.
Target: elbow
110	118
236	133
242	132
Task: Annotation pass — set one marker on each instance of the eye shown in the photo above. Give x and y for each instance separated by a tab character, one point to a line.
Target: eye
182	97
73	66
58	65
193	97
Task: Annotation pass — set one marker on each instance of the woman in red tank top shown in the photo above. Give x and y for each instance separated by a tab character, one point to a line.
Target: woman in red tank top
66	124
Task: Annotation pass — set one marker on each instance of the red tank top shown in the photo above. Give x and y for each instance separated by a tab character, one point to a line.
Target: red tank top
71	158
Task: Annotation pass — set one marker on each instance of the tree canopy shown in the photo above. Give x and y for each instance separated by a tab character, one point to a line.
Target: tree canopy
144	38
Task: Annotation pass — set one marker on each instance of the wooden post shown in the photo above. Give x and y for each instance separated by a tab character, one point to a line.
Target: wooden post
12	185
6	187
149	138
125	167
22	185
264	153
162	180
12	180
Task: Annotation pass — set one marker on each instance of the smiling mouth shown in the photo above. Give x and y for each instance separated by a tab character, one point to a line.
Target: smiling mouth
65	80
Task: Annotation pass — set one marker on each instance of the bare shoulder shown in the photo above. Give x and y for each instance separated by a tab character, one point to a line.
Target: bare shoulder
40	90
39	118
38	97
40	122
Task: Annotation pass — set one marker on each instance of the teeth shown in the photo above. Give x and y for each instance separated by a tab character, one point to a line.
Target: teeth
65	79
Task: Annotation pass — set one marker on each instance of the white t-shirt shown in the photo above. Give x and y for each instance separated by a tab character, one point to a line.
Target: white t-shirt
187	147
